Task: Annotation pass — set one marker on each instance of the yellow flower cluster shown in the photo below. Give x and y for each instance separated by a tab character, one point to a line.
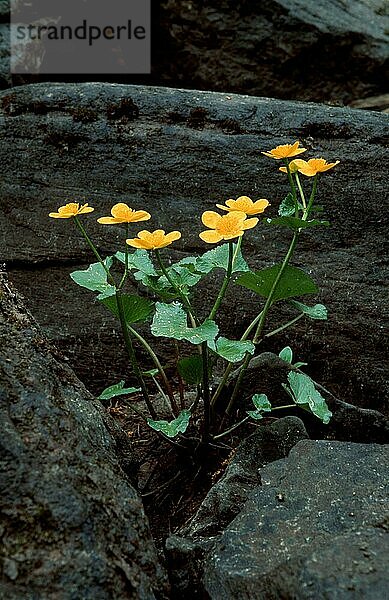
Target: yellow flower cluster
122	213
309	168
235	222
220	227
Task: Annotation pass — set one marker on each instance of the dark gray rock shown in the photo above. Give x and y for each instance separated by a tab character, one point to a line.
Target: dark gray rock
321	50
176	153
228	495
71	525
282	48
188	549
316	528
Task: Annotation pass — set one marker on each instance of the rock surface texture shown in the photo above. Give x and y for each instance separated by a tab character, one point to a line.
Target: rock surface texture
71	525
316	528
188	549
324	50
176	153
303	49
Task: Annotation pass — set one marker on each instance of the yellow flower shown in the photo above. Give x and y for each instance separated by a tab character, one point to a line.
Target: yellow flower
293	167
312	166
121	213
246	205
152	240
71	210
225	227
285	151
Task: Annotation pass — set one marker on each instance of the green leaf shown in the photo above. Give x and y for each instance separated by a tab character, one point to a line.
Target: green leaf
191	369
302	390
150	373
170	320
298	365
117	390
295	223
287	207
286	354
233	350
217	258
135	308
95	278
262	404
138	261
293	282
173	428
182	276
318	311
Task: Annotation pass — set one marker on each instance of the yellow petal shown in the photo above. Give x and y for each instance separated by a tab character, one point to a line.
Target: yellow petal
120	211
136	243
304	167
85	209
225	207
140	215
250	223
259	206
147	236
70	208
59	216
107	221
172	237
211	219
211	237
231	236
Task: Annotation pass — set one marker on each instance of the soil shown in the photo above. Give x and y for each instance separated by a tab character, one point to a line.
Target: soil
173	481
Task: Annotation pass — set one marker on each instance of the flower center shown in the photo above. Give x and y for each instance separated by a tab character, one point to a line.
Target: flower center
230	224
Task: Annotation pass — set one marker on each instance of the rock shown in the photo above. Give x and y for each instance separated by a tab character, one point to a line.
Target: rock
380	102
267	373
281	48
187	550
177	153
316	528
71	524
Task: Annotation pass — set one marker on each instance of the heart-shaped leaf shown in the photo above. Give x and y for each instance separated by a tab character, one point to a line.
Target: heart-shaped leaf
135	307
293	282
173	428
95	278
302	389
318	311
117	390
170	320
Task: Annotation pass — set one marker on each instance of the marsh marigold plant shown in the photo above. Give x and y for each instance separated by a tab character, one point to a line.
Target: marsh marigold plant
170	311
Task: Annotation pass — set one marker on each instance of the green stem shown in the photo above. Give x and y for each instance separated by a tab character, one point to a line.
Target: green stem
125	274
220	435
230	366
166	399
302	196
292	186
261	321
227	277
93	248
157	363
269	300
311	199
282	327
184	299
131	355
206	395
